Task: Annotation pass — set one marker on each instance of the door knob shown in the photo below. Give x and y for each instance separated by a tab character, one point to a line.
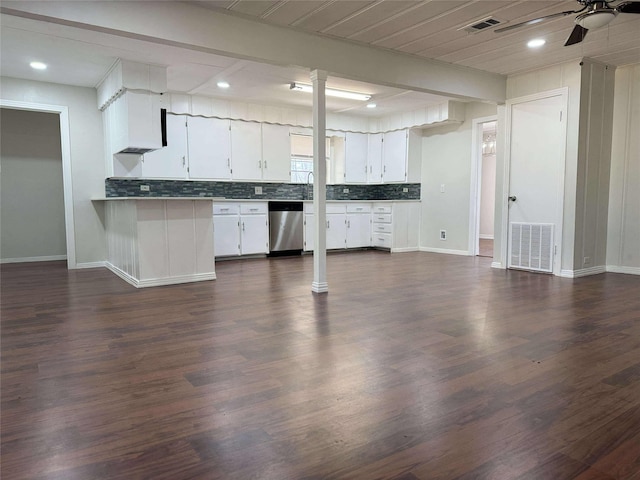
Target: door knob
513	198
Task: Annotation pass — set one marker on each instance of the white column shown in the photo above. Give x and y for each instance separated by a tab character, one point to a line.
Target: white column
319	285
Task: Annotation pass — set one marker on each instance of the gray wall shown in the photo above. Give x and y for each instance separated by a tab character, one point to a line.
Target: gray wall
87	158
31	189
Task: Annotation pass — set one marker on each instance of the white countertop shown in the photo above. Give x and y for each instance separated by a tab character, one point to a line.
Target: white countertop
103	199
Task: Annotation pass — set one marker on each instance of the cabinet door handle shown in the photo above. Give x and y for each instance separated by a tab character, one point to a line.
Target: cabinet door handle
229	162
243	226
183	161
348	223
259	164
265	164
385	169
327	223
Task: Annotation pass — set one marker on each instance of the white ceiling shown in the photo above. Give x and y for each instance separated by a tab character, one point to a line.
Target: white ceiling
430	29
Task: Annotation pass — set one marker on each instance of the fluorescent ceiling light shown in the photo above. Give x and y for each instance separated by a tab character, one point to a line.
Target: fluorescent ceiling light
223	84
38	65
371	105
536	43
331	92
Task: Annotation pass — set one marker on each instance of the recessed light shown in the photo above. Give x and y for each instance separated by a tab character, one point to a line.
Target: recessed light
223	84
38	65
536	43
371	105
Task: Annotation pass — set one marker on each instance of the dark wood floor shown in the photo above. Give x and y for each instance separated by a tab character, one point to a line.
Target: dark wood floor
485	247
414	366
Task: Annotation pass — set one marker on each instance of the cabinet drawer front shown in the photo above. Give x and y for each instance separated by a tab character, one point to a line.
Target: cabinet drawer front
381	208
226	209
254	208
382	228
331	208
381	218
358	208
381	240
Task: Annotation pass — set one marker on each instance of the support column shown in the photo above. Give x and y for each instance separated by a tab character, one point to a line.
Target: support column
319	80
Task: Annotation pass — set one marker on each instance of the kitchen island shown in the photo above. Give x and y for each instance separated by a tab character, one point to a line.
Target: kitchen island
154	241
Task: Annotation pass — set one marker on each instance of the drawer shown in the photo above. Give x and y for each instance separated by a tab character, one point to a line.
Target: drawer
381	208
254	208
226	208
331	208
358	208
381	218
382	227
381	240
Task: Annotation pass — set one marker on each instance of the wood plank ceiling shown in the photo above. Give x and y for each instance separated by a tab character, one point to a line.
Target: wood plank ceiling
435	29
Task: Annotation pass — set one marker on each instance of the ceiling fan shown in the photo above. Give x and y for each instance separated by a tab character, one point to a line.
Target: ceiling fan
593	14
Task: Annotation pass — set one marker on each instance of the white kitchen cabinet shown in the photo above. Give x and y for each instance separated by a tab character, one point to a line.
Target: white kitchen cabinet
355	158
209	148
309	233
406	226
358	225
276	153
226	229
394	156
170	161
246	150
374	154
336	231
254	228
382	225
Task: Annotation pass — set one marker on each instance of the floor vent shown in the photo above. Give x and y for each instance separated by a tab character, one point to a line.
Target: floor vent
531	246
481	25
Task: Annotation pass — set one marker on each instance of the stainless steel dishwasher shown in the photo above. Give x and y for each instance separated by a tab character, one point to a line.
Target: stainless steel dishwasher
285	228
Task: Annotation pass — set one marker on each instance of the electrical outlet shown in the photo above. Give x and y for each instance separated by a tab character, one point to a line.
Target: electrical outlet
144	188
442	188
586	260
345	190
258	190
443	234
405	190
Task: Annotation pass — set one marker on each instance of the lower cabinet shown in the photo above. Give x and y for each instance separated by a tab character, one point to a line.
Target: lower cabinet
358	225
348	226
240	229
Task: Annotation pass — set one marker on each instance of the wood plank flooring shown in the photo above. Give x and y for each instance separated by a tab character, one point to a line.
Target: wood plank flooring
414	366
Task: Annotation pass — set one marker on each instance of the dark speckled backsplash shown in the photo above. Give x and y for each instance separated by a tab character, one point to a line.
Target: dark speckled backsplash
126	187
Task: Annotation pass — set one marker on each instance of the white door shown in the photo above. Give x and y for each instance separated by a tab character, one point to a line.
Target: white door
358	230
209	144
374	152
336	230
537	158
169	161
394	156
254	234
276	153
355	157
309	230
246	150
226	235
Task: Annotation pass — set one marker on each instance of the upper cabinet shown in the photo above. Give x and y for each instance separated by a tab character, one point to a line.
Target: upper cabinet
170	161
276	153
356	166
374	151
246	150
376	157
394	156
209	142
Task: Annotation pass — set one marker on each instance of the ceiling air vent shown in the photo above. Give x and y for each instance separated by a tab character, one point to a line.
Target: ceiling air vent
481	25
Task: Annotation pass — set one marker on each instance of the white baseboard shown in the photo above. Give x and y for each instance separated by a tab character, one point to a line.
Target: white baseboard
583	272
485	237
404	249
497	265
445	250
91	265
319	287
47	258
158	282
627	270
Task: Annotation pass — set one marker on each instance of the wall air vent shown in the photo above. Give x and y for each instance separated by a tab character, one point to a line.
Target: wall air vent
481	25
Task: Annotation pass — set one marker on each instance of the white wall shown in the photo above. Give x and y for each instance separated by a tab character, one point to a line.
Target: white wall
31	192
487	196
557	76
87	156
623	239
446	159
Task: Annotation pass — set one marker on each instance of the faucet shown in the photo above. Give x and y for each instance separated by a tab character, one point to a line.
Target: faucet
309	176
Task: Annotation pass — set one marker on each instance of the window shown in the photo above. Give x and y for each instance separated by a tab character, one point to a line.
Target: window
302	158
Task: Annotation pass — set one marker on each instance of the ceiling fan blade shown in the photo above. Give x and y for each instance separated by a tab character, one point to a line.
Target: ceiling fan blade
533	21
577	35
628	7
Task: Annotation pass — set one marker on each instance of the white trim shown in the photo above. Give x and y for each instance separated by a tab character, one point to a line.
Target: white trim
404	249
65	146
46	258
319	287
157	282
583	272
497	265
625	270
476	182
445	250
101	264
485	237
506	183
